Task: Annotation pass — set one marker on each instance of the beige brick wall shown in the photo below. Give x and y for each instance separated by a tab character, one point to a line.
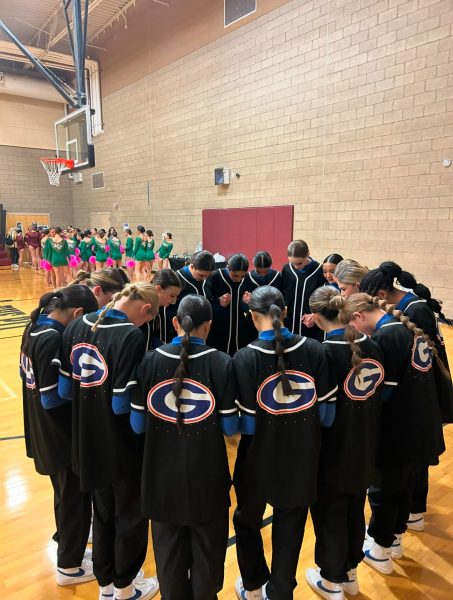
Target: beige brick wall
343	109
24	186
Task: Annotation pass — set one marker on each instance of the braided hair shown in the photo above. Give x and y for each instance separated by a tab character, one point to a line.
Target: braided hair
75	296
133	291
365	303
267	300
329	303
193	311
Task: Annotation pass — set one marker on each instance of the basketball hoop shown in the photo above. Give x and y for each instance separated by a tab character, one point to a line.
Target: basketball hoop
54	167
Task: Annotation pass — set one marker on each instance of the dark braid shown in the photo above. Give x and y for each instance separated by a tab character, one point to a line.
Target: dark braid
47	301
183	369
276	312
193	311
268	300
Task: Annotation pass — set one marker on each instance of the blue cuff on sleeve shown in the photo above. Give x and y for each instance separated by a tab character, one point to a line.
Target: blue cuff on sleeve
52	399
64	387
138	421
247	424
122	404
230	425
327	413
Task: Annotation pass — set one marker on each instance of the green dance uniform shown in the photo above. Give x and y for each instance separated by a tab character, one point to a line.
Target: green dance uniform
115	252
165	249
85	250
71	245
150	250
140	250
129	247
47	249
59	253
101	253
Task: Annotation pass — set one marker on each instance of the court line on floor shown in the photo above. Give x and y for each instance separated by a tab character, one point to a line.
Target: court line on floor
11	394
12	437
267	521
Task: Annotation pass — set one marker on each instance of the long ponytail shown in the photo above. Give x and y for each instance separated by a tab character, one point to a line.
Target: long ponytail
268	300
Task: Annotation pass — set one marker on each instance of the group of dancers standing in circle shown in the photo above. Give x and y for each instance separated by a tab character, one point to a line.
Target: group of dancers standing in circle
335	376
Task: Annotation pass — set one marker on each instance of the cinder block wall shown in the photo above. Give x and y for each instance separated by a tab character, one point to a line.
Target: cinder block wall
24	186
343	109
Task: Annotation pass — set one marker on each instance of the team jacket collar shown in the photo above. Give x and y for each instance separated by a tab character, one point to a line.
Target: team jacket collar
112	313
308	269
194	341
45	320
334	332
406	300
269	334
383	320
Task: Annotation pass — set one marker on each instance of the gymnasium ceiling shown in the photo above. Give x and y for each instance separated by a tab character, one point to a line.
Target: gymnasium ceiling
41	23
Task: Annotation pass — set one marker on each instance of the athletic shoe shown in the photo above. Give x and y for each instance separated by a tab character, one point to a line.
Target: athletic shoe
324	588
416	522
378	557
77	575
107	592
397	546
351	586
244	594
142	589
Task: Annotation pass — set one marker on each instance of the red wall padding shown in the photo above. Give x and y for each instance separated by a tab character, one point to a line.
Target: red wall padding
248	230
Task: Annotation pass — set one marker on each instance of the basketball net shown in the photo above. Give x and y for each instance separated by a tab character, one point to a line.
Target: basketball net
54	166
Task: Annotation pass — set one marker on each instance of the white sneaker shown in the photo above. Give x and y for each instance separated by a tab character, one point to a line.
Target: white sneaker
416	522
244	594
140	589
109	590
378	557
106	592
351	586
397	546
77	575
326	589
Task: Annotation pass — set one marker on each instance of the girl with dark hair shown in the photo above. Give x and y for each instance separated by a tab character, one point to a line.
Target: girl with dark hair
391	283
284	397
115	249
160	330
195	276
165	250
85	251
301	276
129	251
100	246
47	425
149	254
112	233
328	267
228	331
410	432
99	355
32	238
263	274
348	449
186	402
46	250
139	254
59	254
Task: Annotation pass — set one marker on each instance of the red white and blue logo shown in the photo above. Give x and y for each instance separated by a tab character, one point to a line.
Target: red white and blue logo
88	365
362	384
271	398
197	401
27	370
422	357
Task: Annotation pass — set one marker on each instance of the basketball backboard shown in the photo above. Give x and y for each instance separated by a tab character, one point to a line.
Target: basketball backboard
73	139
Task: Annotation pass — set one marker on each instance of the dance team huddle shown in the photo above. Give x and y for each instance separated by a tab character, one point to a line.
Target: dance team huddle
335	376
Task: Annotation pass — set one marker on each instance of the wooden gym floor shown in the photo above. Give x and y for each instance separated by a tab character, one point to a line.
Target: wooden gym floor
27	556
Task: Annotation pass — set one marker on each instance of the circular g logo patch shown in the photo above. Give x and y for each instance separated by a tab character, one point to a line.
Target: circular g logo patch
421	354
272	399
197	401
88	365
362	385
